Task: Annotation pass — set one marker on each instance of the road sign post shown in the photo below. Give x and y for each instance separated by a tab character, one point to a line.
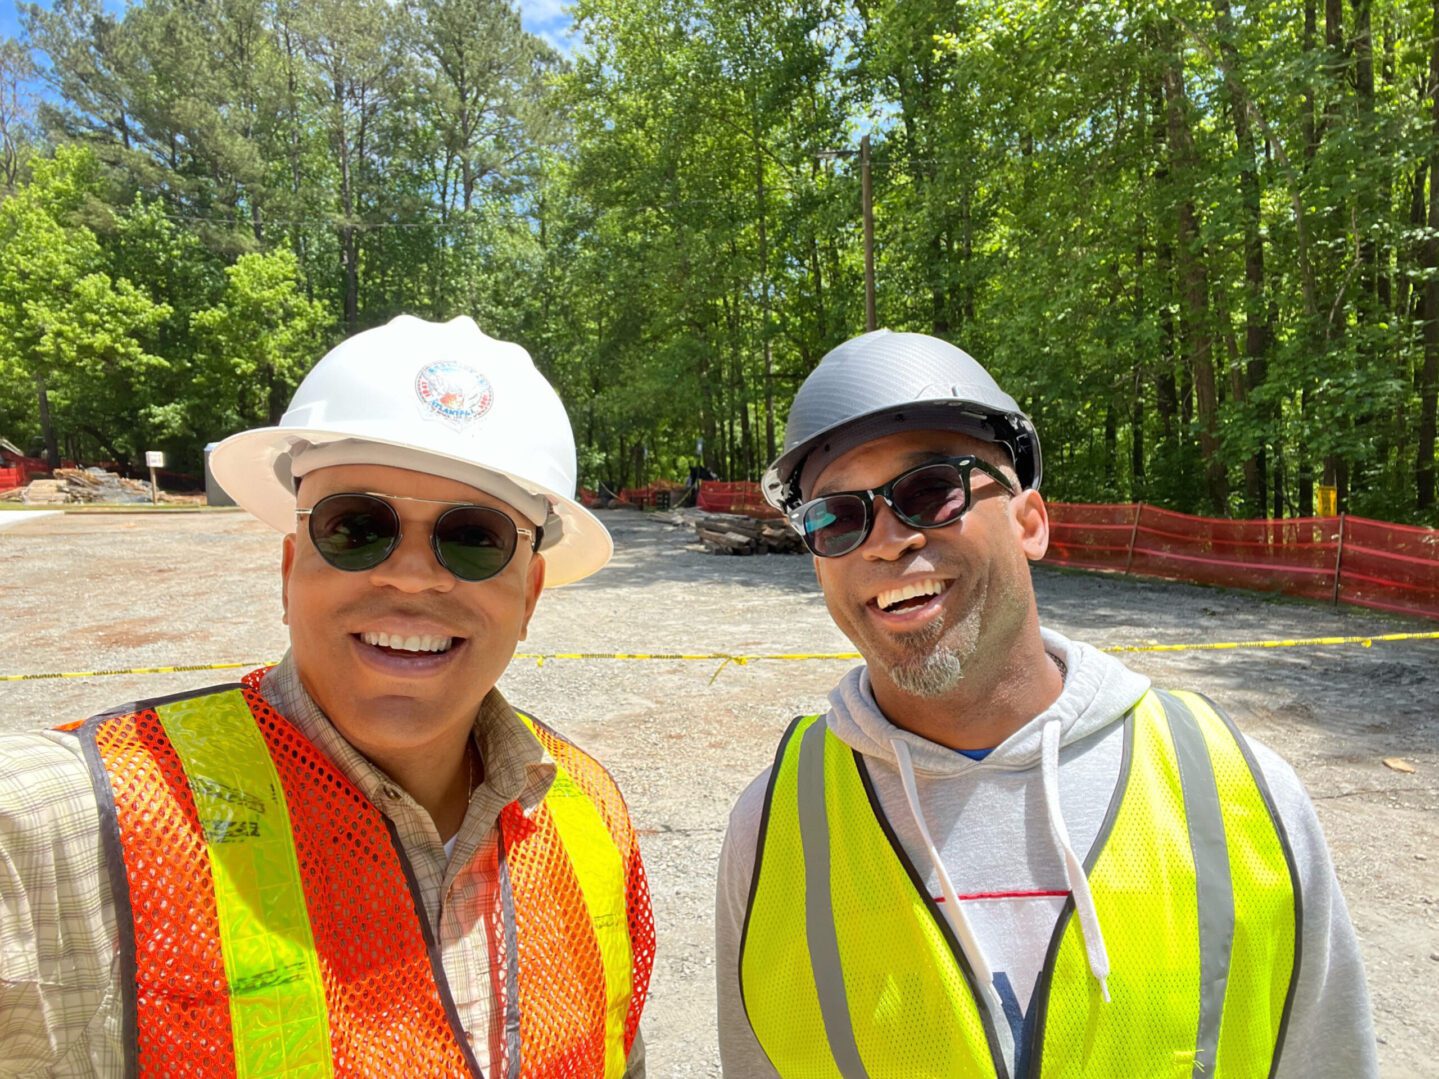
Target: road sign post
154	459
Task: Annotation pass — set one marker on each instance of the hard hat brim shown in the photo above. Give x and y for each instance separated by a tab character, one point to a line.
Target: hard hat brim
245	466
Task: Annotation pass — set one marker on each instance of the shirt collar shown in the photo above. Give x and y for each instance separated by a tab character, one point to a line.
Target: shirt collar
517	766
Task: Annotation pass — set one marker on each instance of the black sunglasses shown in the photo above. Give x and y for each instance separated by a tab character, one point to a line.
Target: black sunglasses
930	496
356	531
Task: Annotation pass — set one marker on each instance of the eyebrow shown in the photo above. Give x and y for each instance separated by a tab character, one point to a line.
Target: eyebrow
912	459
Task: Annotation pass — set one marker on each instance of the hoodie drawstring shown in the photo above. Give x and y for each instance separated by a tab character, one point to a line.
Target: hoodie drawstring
957	920
1073	868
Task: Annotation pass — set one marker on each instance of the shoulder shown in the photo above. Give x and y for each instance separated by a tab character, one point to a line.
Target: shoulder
746	818
44	782
1292	803
746	814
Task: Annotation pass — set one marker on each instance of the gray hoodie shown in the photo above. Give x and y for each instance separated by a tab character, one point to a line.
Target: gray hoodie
1003	843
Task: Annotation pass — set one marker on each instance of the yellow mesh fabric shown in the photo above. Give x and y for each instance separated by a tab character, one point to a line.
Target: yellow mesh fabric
779	991
910	1006
1144	892
1262	961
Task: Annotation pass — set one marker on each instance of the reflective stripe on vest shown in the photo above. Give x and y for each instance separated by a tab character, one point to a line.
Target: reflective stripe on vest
572	877
1192	879
271	925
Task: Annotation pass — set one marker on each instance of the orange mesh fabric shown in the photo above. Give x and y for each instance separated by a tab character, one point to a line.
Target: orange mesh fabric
562	979
386	1012
182	999
590	776
562	991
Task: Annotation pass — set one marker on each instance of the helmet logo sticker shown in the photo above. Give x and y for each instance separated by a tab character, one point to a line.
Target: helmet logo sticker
453	392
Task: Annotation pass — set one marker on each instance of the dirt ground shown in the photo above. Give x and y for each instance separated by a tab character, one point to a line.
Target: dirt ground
82	592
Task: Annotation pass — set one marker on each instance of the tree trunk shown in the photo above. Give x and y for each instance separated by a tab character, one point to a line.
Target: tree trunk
1194	291
1259	315
766	339
47	426
1429	373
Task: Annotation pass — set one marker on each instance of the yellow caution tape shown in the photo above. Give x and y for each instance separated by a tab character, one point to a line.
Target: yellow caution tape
726	658
129	670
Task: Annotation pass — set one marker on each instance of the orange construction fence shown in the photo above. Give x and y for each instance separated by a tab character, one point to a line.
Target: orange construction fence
1340	559
12	477
718	497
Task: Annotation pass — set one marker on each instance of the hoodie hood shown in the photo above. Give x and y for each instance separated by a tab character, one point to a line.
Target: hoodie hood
1098	691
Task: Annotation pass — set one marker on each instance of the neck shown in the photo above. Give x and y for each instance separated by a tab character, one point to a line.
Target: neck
991	702
441	791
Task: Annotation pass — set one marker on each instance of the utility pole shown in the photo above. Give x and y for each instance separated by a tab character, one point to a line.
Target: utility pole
867	208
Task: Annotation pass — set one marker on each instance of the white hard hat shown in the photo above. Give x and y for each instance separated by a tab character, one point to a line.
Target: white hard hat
441	398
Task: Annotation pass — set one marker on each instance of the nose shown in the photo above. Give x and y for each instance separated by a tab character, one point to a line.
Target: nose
412	566
890	538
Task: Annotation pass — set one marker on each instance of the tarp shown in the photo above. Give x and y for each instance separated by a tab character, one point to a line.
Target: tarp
1339	559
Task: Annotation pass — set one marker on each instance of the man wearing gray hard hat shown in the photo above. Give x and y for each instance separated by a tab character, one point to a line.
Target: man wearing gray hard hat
1001	852
362	860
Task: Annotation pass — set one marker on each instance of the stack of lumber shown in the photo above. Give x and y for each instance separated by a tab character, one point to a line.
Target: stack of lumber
72	485
733	533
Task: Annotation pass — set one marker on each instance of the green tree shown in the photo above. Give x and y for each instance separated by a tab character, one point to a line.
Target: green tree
66	325
254	345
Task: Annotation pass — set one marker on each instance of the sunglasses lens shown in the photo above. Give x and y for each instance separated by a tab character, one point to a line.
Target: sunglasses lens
475	542
836	525
929	496
353	532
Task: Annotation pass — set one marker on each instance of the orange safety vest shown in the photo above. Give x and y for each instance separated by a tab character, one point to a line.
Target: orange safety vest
270	924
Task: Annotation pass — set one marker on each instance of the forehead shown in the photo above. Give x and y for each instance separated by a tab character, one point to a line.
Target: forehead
387	480
875	462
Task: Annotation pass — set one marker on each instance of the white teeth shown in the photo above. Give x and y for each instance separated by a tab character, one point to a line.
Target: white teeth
886	600
413	643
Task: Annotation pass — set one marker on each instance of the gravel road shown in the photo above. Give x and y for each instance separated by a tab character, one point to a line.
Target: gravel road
89	592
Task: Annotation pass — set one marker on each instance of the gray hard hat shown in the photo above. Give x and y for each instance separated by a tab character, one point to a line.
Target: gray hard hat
883	382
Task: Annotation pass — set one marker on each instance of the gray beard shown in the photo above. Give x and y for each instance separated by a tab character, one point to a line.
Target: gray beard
932	675
932	669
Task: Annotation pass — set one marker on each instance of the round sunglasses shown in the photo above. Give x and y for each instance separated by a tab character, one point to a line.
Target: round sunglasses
930	496
355	531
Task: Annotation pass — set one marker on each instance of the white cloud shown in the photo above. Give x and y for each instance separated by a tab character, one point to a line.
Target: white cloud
540	15
550	21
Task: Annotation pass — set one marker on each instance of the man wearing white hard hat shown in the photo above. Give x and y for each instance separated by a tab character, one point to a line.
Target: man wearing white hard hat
1001	852
362	860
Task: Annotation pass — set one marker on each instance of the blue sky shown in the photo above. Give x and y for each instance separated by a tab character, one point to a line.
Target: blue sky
550	19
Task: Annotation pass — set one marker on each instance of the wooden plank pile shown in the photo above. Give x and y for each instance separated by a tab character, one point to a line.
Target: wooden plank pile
82	485
733	533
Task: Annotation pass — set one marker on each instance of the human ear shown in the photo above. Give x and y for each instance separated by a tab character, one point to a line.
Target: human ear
534	585
1030	519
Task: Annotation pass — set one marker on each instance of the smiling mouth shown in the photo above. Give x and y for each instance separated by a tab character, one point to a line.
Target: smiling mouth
416	644
910	596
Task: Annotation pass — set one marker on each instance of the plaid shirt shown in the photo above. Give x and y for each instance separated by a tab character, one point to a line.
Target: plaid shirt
60	997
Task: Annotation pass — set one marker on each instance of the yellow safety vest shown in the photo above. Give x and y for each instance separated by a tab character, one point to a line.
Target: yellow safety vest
848	969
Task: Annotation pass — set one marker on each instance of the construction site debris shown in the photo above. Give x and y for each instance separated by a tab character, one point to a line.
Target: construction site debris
733	533
83	485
